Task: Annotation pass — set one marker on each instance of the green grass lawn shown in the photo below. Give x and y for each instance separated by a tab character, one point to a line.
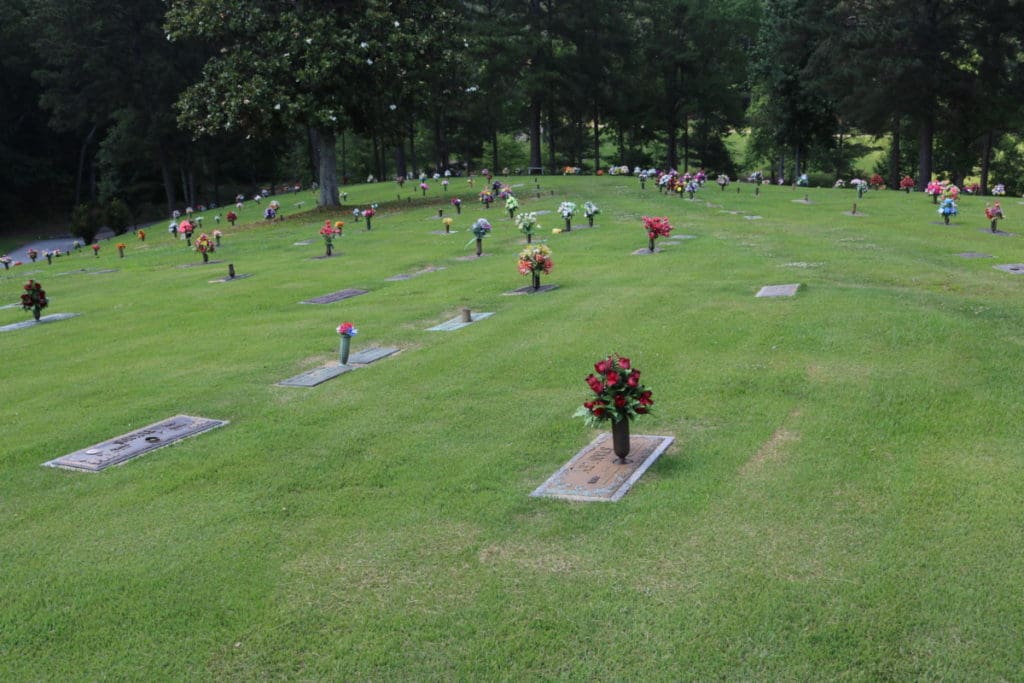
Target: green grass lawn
844	498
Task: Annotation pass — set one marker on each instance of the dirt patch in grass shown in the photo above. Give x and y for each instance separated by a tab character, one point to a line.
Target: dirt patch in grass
774	449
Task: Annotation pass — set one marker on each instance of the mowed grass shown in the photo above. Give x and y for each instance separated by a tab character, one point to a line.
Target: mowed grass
844	498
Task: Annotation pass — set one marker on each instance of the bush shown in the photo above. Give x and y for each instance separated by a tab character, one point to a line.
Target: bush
86	220
118	216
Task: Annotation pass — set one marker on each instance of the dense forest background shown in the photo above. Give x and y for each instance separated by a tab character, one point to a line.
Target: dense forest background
120	112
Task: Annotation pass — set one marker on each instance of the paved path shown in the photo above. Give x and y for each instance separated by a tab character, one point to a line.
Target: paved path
62	243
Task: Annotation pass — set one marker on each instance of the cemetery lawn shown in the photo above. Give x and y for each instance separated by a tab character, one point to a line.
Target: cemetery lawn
844	499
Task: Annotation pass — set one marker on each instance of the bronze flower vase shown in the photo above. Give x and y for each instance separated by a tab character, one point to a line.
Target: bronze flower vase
590	220
536	280
620	439
440	212
511	214
346	342
368	224
479	246
216	237
49	257
35	312
206	257
568	224
529	238
945	217
458	209
328	248
935	199
993	225
120	252
650	244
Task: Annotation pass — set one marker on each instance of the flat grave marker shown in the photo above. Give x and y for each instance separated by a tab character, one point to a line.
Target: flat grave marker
973	254
228	278
303	243
457	323
336	296
409	276
778	290
52	318
647	252
753	217
317	376
199	264
1014	268
595	473
528	289
4	308
997	232
133	444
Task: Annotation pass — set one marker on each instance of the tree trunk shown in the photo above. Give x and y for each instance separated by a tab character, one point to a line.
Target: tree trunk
894	154
400	161
535	160
686	141
81	164
328	171
671	144
412	150
925	136
986	160
551	140
494	150
620	145
597	140
314	151
796	161
165	172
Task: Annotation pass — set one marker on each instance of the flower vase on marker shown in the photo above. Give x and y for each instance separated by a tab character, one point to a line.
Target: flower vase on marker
618	397
120	249
527	224
457	203
204	245
533	261
368	214
34	299
656	227
567	210
447	225
481	228
347	331
590	210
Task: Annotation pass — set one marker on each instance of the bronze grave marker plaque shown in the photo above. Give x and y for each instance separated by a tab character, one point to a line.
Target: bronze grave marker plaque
595	473
335	296
134	444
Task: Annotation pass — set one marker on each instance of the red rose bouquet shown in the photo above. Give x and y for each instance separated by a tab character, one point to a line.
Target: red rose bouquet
34	298
618	394
656	226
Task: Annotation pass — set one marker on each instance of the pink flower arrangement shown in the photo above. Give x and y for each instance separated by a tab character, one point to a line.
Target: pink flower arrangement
656	226
907	183
933	188
369	213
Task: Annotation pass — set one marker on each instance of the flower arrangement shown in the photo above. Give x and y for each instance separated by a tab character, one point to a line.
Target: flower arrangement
368	214
274	204
994	214
486	197
511	204
947	208
999	190
972	188
328	232
934	188
567	209
534	260
876	181
49	255
951	191
189	210
444	184
96	250
356	215
141	234
33	255
481	228
346	331
656	226
175	214
121	246
204	245
618	397
722	181
590	210
6	261
839	183
907	184
448	224
34	299
527	224
232	217
217	234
